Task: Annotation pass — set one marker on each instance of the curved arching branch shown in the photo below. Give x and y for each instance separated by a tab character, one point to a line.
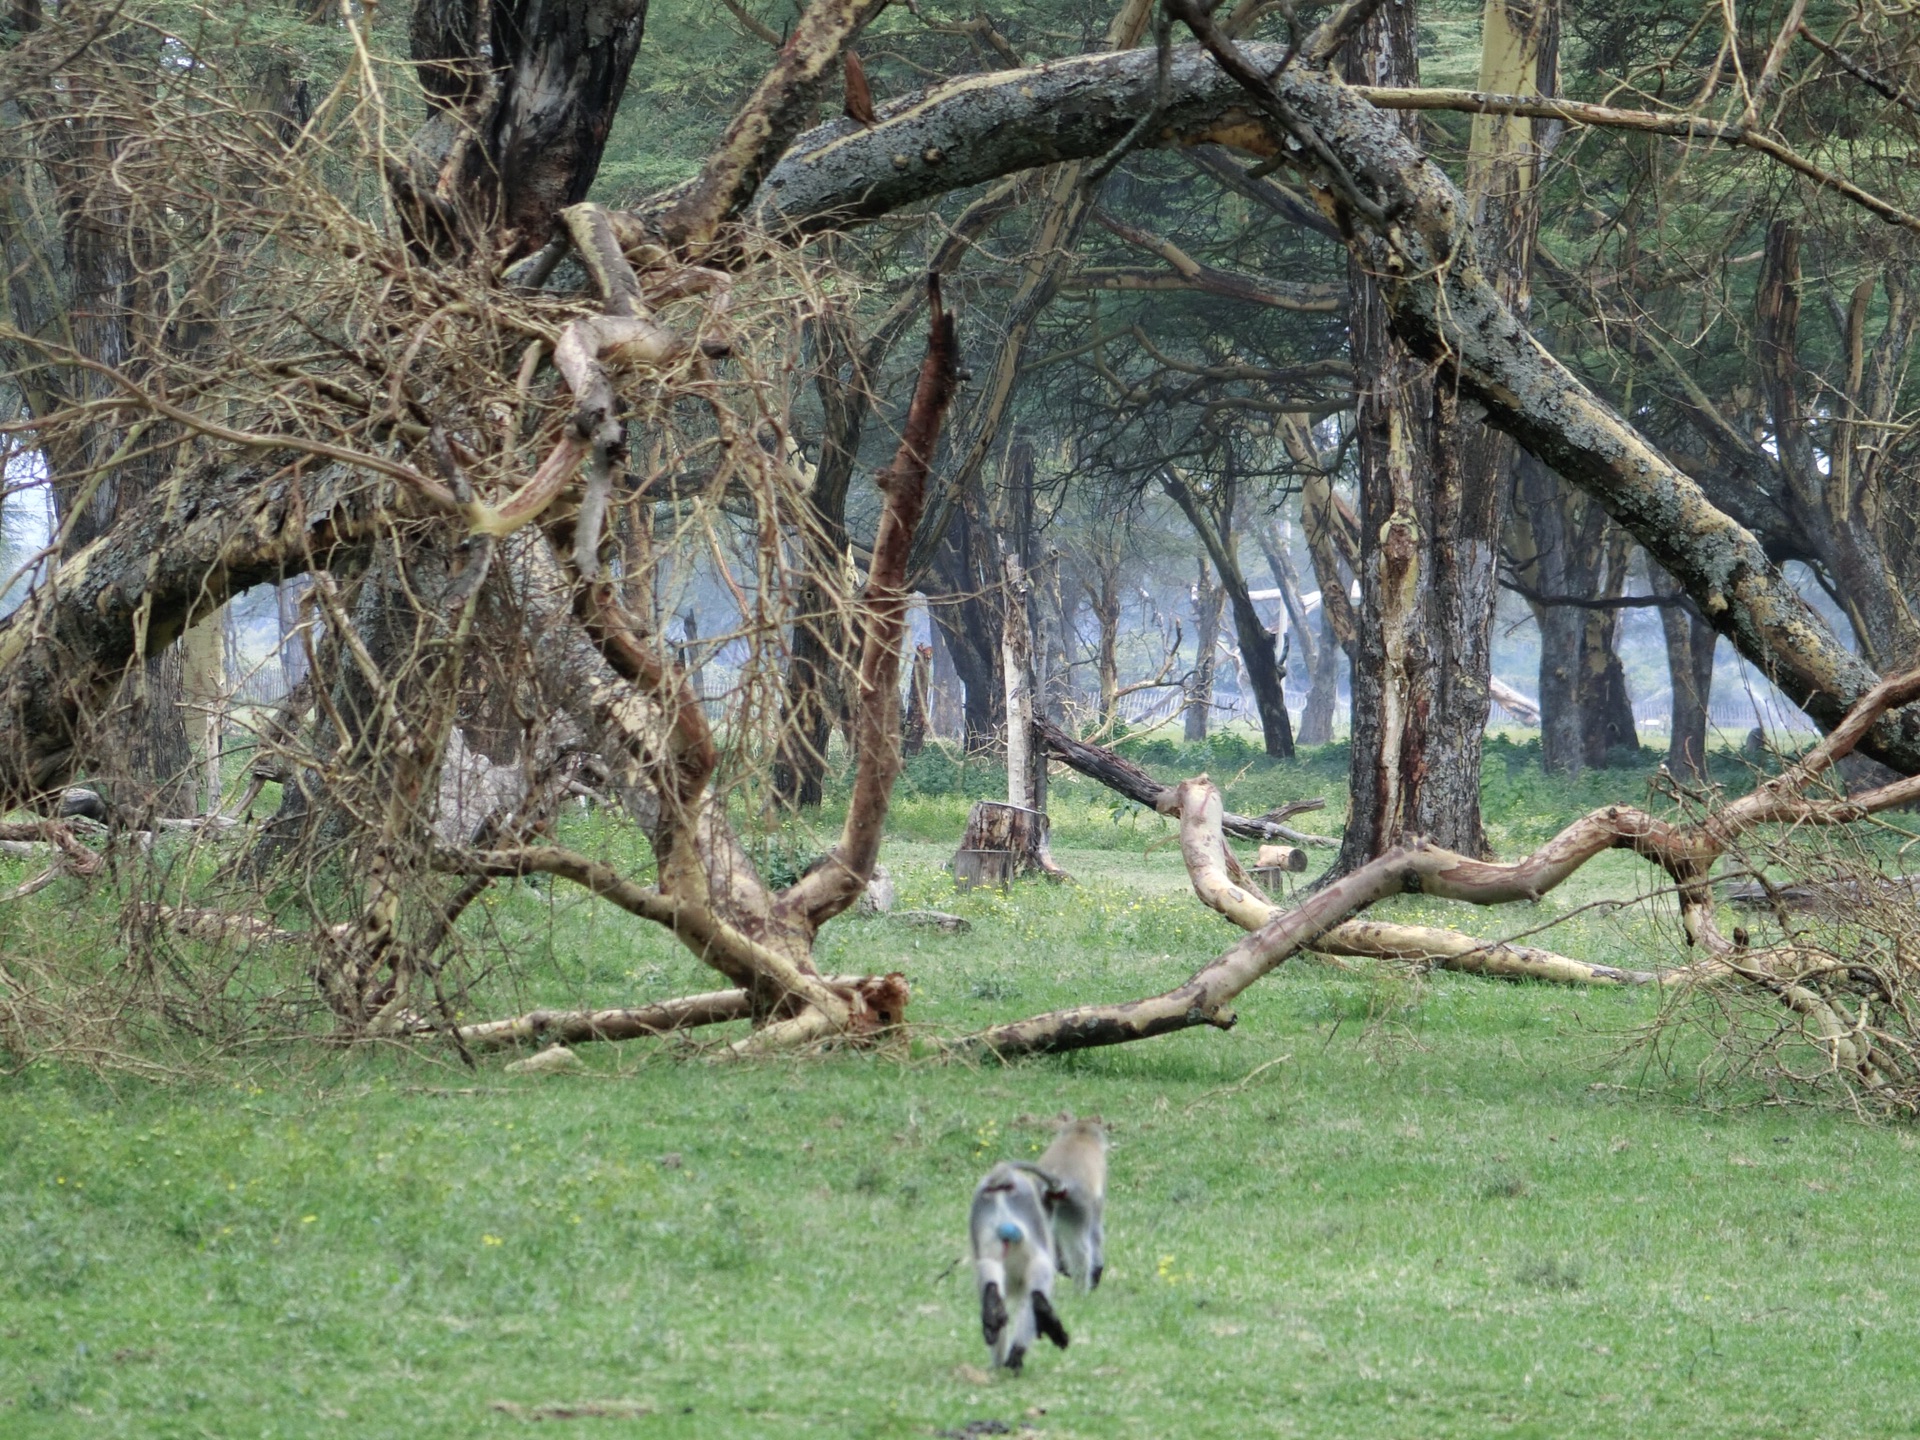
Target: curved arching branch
980	127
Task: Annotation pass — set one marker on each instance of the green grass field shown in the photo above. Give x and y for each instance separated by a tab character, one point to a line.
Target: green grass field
1378	1207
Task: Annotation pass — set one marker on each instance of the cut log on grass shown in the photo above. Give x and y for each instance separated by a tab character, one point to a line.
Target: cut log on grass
1289	858
1121	775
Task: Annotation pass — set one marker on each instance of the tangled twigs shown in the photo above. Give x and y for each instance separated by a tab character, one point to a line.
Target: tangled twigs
70	857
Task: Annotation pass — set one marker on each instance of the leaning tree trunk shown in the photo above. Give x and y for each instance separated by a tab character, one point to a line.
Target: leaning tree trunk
1212	521
1207	599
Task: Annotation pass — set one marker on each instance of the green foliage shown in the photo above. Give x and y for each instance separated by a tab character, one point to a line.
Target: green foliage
1379	1206
1443	1229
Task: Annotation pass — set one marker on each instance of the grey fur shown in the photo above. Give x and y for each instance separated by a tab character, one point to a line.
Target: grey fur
1014	1276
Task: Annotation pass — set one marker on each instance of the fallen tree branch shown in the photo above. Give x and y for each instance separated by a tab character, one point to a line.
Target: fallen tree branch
1210	867
1685	852
1452	950
713	939
572	1027
1206	999
1121	775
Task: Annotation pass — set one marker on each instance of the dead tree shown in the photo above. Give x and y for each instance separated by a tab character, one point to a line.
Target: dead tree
437	447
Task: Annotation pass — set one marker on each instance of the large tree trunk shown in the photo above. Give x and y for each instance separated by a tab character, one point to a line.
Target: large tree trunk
1690	646
520	99
1426	559
115	312
1433	486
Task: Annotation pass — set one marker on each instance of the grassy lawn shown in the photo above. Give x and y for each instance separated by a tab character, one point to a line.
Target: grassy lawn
1378	1207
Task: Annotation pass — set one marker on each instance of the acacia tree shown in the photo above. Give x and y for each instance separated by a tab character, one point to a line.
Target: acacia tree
435	440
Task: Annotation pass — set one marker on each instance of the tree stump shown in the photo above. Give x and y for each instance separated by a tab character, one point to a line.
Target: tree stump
1002	842
973	868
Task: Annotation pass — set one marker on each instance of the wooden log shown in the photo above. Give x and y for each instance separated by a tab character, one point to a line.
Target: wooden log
1281	857
1097	762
